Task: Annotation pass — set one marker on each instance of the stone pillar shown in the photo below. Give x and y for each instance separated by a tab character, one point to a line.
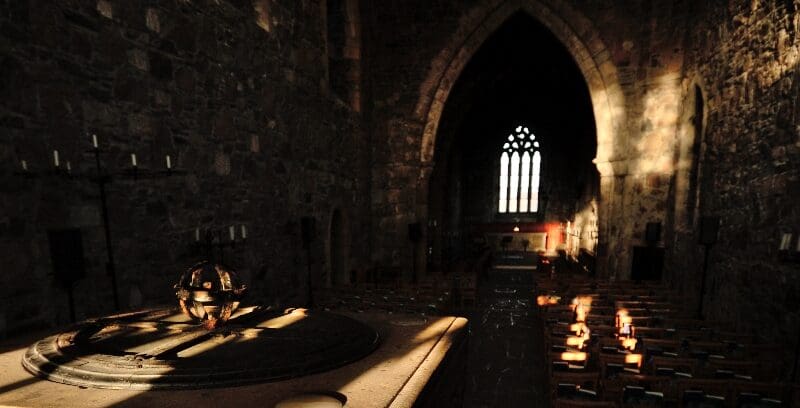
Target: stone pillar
611	237
421	200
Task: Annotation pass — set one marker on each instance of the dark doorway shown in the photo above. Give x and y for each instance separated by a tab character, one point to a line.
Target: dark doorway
338	249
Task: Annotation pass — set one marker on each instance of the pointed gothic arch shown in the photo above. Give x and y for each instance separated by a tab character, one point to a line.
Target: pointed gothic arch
577	34
578	37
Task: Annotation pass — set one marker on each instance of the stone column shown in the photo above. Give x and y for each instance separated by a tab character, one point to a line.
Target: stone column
610	248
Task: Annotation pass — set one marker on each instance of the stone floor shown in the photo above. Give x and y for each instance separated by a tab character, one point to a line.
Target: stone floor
506	367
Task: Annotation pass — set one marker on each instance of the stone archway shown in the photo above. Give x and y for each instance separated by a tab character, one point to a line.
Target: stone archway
593	59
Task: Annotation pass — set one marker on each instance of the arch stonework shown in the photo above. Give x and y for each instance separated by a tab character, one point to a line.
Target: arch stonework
578	36
580	39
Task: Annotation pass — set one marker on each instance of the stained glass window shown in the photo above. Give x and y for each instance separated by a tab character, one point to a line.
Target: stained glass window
520	163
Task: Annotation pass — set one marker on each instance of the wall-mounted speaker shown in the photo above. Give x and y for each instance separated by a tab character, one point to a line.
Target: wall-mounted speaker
652	233
66	254
647	263
415	231
308	230
709	230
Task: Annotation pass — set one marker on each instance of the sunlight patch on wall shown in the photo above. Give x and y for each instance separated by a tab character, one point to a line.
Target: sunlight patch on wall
261	7
583	231
608	106
660	113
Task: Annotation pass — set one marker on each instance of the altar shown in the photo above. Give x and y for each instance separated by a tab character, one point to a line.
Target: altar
517	241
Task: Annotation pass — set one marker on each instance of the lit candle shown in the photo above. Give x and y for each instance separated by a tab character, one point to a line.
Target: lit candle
55	158
232	230
197	235
133	159
244	232
94	140
24	165
169	163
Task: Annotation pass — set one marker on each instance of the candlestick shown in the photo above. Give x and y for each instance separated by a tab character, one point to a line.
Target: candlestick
94	141
133	159
24	165
55	158
232	231
244	232
169	163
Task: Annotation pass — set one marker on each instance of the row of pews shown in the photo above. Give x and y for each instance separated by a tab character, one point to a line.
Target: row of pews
627	344
434	294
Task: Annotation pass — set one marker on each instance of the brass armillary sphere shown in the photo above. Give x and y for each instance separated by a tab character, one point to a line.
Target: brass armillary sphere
209	292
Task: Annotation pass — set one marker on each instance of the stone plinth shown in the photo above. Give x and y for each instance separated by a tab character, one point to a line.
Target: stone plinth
397	373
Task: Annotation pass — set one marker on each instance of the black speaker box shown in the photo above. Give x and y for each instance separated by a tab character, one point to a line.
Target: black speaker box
652	233
415	231
66	254
648	263
709	230
308	230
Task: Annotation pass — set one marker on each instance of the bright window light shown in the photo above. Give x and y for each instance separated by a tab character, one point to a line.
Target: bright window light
520	166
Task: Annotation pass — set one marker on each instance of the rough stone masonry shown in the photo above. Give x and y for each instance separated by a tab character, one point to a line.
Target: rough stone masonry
271	118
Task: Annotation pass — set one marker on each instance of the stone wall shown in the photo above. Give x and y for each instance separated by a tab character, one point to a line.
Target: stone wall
649	59
643	63
744	59
234	91
237	93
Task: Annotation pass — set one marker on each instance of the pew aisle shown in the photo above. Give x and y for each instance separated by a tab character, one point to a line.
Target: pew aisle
635	345
427	298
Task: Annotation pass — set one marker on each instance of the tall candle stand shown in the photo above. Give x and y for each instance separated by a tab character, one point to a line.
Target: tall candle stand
209	241
100	176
